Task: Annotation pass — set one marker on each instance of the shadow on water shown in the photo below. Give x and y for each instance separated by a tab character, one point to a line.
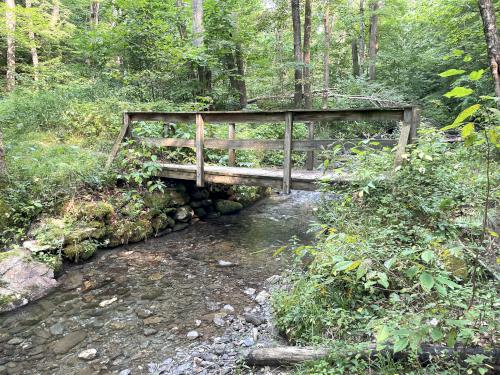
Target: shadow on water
135	304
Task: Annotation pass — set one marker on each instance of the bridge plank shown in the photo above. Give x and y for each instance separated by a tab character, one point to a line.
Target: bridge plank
200	158
287	158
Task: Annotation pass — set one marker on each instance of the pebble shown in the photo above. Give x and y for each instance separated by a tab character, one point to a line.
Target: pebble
56	329
253	319
15	341
249	291
219	322
225	263
88	354
72	339
228	309
108	302
127	371
248	341
193	335
143	313
150	331
262	297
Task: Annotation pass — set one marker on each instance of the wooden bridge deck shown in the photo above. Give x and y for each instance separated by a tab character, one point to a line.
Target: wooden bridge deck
286	178
300	179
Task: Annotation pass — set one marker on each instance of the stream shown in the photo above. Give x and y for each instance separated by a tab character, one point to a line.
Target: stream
170	305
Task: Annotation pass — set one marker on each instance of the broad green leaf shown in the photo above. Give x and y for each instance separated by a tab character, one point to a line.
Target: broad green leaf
451	72
426	281
383	334
459	92
437	334
427	256
340	266
382	280
445	281
467	130
467	58
354	265
465	114
476	74
457	52
400	344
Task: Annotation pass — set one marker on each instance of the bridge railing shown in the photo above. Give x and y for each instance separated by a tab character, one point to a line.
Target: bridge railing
408	116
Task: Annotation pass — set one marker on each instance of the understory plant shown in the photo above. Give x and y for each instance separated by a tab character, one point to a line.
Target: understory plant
394	265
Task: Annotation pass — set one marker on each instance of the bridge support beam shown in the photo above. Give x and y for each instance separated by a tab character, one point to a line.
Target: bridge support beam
232	152
199	143
287	146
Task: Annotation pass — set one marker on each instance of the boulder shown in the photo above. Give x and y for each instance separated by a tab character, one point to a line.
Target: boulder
83	231
225	207
123	232
201	194
22	279
184	214
177	198
100	211
161	222
200	212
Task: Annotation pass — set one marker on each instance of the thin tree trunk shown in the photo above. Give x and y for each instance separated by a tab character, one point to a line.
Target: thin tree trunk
487	10
56	13
10	19
297	49
240	66
3	165
326	55
116	15
34	52
362	36
354	50
307	54
94	13
373	47
181	26
198	23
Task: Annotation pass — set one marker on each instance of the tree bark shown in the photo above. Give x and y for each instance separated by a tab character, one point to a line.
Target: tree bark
487	10
10	19
373	46
56	13
240	67
94	12
326	55
307	54
3	165
34	52
362	56
354	50
297	50
181	26
198	23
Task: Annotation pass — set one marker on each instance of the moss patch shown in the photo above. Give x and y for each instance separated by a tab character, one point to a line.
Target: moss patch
225	207
80	251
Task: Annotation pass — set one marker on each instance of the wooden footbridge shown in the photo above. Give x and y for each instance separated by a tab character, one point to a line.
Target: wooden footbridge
286	178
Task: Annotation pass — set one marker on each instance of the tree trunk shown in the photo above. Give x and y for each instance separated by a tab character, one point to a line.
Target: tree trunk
297	50
354	50
373	46
10	19
34	52
56	13
307	54
326	55
198	23
362	36
487	10
181	26
3	166
240	67
94	12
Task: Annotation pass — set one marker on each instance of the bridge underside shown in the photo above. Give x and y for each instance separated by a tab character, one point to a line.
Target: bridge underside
300	179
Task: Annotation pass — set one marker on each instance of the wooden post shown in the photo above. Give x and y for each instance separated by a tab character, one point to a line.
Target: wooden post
287	160
415	123
404	136
199	142
310	154
126	131
232	152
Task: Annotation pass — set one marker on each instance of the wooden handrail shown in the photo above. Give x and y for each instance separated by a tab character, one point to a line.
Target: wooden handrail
409	116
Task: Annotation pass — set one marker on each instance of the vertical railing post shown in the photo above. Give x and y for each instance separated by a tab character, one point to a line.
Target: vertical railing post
415	123
404	136
126	131
287	147
310	154
199	143
232	152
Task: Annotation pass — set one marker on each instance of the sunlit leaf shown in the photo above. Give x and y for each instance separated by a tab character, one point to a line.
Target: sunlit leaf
383	334
451	72
459	92
464	115
467	58
457	52
467	130
476	74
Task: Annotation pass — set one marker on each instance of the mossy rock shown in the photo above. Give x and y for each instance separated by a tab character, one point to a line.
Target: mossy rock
177	198
91	211
124	232
161	222
80	251
201	194
200	212
454	264
77	233
225	207
52	232
157	200
132	209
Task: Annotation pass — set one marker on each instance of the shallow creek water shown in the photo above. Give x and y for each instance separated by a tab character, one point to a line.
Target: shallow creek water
135	304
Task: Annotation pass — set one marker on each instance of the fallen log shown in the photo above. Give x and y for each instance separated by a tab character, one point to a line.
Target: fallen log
291	355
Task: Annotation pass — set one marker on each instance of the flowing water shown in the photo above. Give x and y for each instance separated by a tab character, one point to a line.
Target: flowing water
135	304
